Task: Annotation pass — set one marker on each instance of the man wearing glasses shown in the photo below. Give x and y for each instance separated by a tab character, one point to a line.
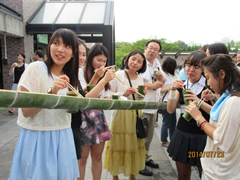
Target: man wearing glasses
153	80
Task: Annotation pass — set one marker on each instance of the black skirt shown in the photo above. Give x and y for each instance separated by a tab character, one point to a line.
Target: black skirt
186	147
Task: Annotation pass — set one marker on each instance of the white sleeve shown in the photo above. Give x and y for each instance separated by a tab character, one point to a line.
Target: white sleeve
228	124
31	77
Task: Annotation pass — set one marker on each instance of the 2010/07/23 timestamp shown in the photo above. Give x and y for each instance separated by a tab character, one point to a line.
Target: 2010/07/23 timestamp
206	154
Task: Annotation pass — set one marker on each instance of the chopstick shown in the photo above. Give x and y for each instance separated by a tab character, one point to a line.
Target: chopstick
200	102
107	67
127	86
74	90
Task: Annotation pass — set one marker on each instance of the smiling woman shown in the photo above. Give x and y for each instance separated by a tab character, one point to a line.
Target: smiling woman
46	140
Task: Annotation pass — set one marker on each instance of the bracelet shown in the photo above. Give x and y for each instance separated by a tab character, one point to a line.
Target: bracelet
197	120
203	124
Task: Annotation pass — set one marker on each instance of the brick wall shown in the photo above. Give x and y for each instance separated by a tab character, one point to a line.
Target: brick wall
16	5
14	46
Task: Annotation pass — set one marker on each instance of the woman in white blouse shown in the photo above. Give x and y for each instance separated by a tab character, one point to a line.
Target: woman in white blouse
125	153
221	156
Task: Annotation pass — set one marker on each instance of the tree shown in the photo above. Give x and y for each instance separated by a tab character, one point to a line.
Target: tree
124	48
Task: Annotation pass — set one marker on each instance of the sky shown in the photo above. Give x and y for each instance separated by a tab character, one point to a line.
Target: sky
192	21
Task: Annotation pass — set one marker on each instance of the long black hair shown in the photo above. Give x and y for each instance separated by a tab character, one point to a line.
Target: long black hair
71	67
96	50
215	63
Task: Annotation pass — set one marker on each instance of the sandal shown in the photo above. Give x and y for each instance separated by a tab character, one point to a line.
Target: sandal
11	111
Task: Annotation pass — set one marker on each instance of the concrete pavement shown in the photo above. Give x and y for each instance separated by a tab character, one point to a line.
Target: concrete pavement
9	132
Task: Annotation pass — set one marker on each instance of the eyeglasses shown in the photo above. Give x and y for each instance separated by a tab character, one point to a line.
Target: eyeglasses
194	66
153	49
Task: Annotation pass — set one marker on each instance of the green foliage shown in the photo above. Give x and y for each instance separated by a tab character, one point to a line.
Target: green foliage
124	48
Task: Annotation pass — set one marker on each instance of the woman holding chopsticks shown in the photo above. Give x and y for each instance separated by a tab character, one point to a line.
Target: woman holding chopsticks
45	148
125	153
188	140
221	156
94	129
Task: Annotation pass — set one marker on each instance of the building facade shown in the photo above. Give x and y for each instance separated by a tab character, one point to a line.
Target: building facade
22	31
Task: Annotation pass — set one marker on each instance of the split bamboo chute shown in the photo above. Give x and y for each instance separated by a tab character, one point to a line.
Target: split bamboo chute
22	99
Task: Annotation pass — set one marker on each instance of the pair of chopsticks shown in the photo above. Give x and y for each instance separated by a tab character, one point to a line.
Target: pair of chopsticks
74	90
127	86
108	67
200	102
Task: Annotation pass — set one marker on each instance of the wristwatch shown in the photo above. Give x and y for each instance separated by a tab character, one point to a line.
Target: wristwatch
49	91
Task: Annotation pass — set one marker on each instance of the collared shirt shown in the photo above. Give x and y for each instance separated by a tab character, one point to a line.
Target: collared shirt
152	95
196	88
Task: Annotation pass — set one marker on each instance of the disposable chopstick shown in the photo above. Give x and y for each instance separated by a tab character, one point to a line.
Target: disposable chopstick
127	86
200	102
107	67
74	90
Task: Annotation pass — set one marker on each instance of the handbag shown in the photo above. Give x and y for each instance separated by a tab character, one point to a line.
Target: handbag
141	122
160	110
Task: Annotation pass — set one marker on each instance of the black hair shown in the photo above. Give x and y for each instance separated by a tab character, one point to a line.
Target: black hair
39	53
23	55
144	66
123	62
155	41
218	62
204	47
71	67
194	58
169	65
218	48
96	50
234	55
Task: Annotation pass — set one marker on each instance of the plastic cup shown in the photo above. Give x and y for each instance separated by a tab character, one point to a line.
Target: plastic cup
140	90
90	87
184	91
71	93
114	96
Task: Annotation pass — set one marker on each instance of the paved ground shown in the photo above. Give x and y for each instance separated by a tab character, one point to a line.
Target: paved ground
9	133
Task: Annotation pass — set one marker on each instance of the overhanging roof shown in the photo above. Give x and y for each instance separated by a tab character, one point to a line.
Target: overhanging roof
11	22
89	19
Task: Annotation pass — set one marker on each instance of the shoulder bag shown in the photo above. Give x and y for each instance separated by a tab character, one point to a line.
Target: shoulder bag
141	122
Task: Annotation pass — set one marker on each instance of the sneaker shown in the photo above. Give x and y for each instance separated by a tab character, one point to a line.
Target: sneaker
165	144
146	172
152	164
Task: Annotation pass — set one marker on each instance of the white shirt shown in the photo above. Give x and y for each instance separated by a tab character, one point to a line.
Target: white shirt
226	141
118	88
152	95
196	88
36	79
84	83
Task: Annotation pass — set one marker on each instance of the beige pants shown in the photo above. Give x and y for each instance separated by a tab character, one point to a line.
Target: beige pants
147	141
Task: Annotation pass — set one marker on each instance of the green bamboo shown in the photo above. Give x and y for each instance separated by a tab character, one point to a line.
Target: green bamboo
20	99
